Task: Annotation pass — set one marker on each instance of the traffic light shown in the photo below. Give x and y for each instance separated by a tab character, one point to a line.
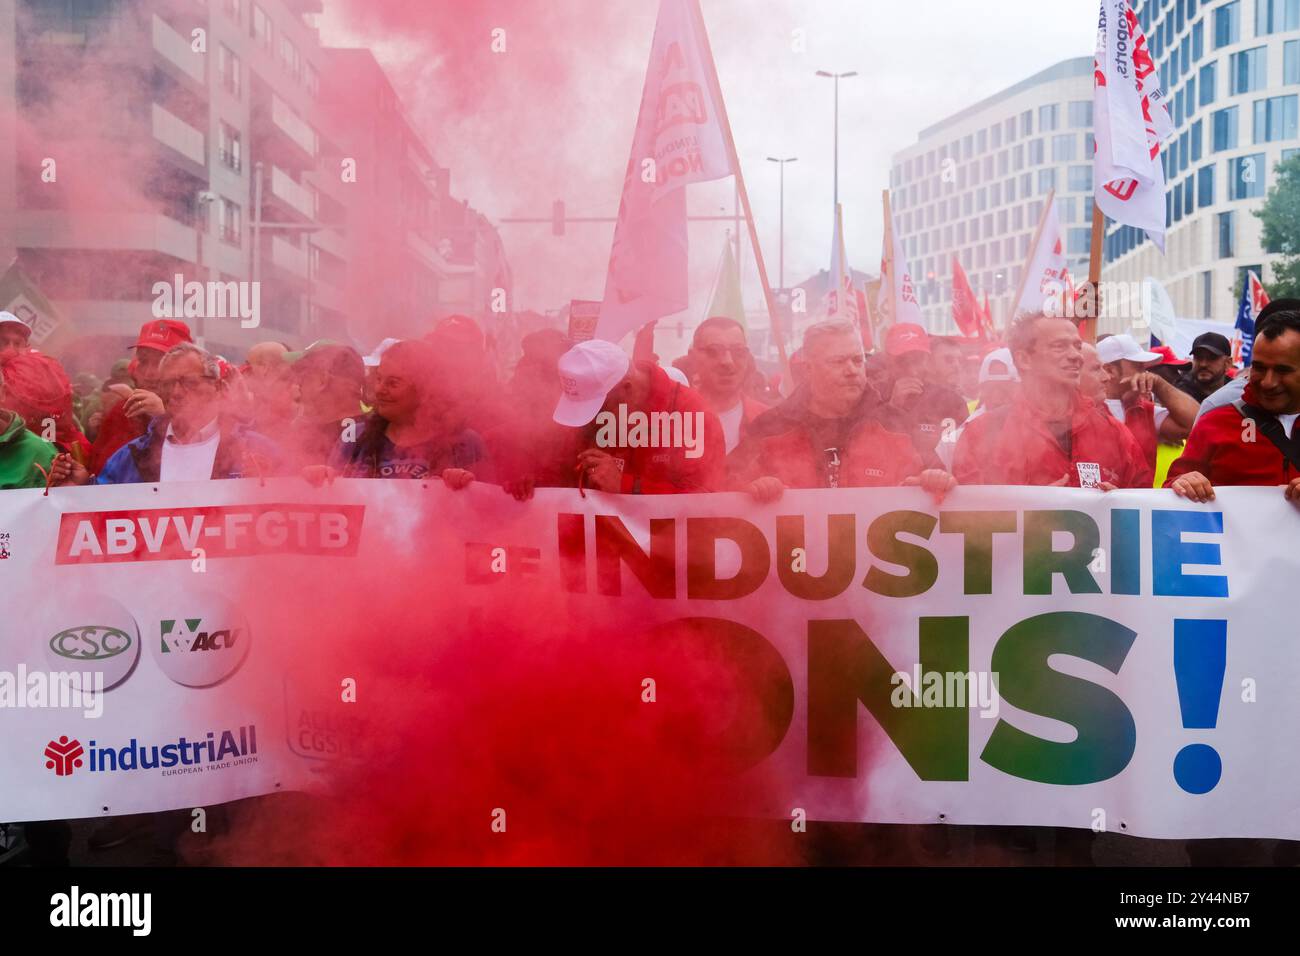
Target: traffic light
557	218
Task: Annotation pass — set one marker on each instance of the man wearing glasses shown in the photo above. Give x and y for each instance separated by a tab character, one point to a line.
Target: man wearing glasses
192	440
723	366
1050	434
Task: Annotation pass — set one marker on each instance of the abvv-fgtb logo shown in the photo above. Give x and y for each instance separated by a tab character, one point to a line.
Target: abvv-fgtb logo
64	756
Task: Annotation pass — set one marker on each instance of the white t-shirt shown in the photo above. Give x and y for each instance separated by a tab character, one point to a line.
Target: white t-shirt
191	461
731	420
1288	423
1117	409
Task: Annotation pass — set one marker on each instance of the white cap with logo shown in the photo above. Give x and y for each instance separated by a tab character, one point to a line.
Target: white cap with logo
1116	347
587	372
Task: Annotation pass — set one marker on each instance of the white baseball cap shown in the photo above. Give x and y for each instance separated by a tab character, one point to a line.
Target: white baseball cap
587	372
372	360
990	372
1118	347
8	318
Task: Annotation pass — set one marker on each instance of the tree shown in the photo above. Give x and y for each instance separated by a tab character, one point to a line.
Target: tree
1280	216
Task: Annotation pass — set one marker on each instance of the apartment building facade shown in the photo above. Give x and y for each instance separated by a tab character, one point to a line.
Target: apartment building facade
204	138
1232	70
974	185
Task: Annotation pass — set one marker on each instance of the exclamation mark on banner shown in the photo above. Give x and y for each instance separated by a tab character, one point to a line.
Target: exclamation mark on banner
1200	660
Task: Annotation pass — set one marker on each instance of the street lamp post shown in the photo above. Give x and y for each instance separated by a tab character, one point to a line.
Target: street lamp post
837	77
781	165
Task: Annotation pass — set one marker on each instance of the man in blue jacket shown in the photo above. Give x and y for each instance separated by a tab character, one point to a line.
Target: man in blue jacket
193	440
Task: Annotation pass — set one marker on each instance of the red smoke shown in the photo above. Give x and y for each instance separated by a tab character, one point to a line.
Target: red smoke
471	703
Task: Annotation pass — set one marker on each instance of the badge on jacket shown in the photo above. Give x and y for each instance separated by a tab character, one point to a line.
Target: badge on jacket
1089	474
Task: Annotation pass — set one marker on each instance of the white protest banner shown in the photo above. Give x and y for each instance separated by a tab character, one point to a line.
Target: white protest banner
1081	659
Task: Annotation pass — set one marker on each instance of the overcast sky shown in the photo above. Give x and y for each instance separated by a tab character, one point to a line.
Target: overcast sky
918	61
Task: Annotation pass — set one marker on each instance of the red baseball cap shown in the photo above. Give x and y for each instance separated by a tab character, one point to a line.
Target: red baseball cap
906	337
457	330
162	335
1169	356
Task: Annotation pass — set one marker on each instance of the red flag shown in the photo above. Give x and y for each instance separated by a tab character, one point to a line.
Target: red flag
965	310
987	317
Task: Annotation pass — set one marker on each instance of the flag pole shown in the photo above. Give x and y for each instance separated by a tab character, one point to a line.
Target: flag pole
1088	328
1033	248
769	297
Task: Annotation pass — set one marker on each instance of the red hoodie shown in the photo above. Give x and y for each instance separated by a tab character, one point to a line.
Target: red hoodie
1013	446
1218	449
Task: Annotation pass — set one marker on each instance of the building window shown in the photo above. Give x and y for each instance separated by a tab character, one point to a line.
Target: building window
1225	129
1274	16
1249	70
1080	242
1227	24
1089	146
1063	148
1246	176
289	57
1048	118
1026	123
1275	118
262	30
229	70
1198	42
1080	179
1046	180
228	222
229	149
1004	163
1011	129
1037	153
1019	157
1227	235
1207	294
1081	114
995	136
1196	141
1209	74
232	9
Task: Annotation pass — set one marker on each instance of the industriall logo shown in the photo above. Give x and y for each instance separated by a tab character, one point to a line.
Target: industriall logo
215	750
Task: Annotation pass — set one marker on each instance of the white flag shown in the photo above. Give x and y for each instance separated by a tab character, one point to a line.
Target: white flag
1131	118
1047	278
841	296
679	140
897	301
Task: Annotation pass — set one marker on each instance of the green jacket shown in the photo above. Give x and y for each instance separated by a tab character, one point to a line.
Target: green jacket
20	452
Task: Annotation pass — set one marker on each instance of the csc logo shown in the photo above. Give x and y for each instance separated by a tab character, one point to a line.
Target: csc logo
110	647
90	643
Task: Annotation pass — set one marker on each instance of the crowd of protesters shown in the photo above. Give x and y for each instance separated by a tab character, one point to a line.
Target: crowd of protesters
1043	408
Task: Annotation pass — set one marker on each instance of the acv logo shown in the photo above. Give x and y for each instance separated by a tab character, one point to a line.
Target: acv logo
206	645
192	638
63	756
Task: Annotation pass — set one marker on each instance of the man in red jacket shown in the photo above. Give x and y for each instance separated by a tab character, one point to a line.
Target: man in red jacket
1254	440
128	419
1051	434
828	433
642	433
